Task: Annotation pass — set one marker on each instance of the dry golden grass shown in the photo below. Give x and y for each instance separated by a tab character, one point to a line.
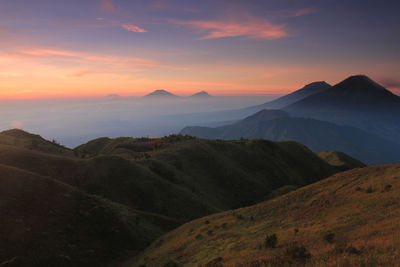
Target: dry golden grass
361	208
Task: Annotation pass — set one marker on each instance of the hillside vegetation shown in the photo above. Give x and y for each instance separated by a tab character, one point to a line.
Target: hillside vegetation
349	219
108	199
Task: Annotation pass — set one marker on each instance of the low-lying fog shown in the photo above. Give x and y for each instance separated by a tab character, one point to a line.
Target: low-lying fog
75	121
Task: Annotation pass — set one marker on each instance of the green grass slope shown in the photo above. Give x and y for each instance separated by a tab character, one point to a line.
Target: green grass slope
349	219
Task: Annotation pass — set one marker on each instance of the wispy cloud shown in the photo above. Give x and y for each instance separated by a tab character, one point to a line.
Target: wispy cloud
107	6
58	57
247	26
391	83
304	11
292	13
132	28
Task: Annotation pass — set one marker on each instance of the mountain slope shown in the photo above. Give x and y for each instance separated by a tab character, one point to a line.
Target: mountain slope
317	135
306	91
48	223
349	219
140	188
357	101
20	138
232	115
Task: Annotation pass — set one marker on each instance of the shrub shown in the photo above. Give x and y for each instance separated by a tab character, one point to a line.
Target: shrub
387	188
271	241
295	251
352	250
217	262
370	190
329	237
171	263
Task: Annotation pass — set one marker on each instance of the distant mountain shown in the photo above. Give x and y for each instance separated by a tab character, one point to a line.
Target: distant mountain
161	94
201	94
357	101
113	96
339	221
318	135
221	117
306	91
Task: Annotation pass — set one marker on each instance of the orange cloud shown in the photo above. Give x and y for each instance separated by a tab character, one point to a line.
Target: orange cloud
250	27
132	28
107	6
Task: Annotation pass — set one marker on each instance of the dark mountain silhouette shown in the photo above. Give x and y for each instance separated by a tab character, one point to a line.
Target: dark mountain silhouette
201	94
160	94
318	135
357	101
109	198
306	91
327	223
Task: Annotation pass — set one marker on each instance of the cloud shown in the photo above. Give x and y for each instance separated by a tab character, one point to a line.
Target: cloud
107	6
303	12
58	57
132	28
249	26
391	83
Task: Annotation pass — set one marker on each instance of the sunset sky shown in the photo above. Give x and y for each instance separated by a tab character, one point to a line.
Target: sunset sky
86	48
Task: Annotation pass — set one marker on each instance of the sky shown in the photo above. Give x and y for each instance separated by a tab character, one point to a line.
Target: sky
92	48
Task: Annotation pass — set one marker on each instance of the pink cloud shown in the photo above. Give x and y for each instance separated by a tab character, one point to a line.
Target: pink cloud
107	6
250	27
132	28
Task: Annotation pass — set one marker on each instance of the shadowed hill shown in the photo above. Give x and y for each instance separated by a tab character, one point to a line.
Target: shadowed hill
66	206
48	223
357	101
318	135
20	138
349	219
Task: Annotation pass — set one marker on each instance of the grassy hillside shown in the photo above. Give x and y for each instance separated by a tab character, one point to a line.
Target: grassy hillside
340	160
114	196
22	139
349	219
48	223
